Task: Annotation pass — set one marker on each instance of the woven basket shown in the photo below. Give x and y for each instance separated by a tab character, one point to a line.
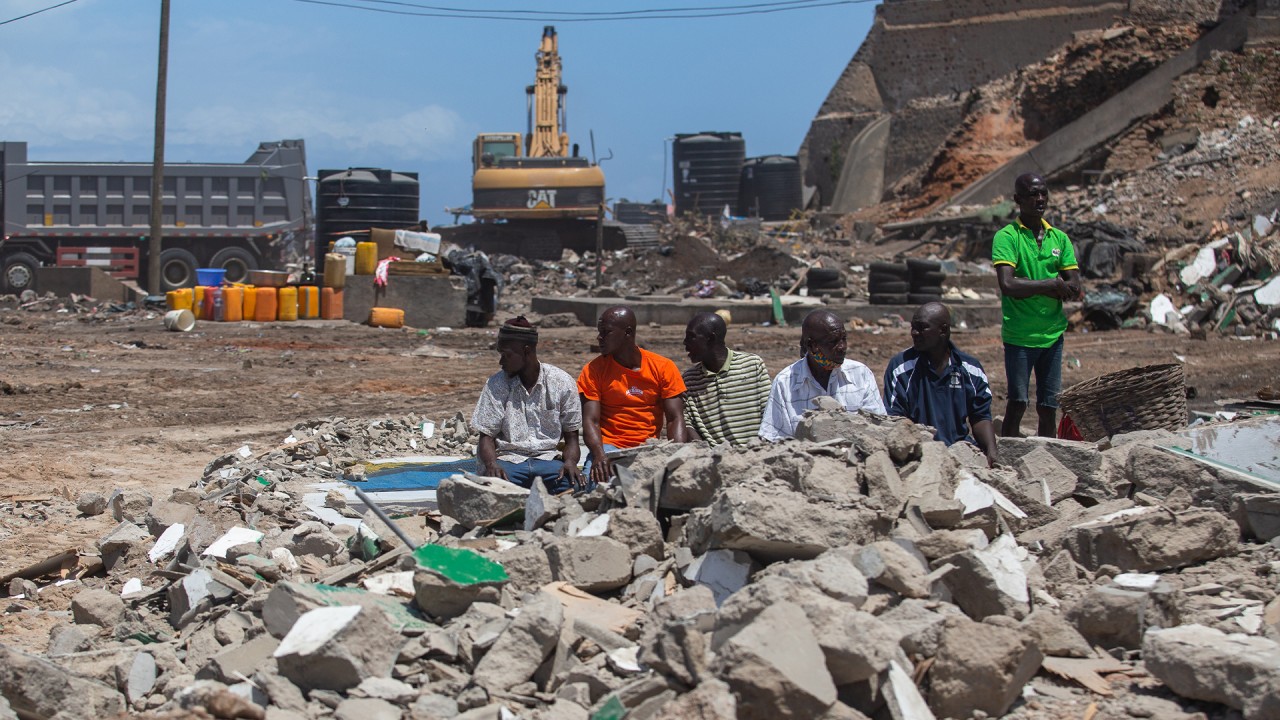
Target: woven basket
1153	397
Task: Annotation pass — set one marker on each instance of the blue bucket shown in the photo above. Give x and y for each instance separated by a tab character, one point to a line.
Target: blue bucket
210	277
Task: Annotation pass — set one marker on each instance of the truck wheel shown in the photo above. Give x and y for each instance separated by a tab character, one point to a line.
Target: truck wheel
19	272
236	261
177	269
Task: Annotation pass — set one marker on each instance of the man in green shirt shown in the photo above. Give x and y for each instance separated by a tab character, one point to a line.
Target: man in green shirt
725	390
1037	270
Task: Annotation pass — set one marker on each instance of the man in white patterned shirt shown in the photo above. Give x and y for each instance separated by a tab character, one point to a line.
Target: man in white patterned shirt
823	370
523	413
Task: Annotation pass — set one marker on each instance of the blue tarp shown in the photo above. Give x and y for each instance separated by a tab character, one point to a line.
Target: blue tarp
413	476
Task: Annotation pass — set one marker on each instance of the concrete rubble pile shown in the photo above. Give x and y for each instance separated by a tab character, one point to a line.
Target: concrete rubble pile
861	570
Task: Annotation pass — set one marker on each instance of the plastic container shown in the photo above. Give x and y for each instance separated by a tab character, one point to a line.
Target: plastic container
308	302
197	302
179	299
386	317
330	304
287	304
210	276
218	307
335	270
179	320
250	301
264	309
366	258
232	304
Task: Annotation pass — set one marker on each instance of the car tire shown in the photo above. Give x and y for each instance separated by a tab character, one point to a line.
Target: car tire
898	270
926	290
922	298
883	287
889	299
933	277
917	267
177	269
19	272
236	261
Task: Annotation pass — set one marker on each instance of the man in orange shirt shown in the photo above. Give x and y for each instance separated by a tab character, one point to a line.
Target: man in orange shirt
627	392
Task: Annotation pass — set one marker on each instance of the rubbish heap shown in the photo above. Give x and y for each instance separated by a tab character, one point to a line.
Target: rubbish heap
860	570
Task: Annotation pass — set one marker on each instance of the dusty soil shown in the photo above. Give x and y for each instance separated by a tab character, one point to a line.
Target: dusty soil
95	405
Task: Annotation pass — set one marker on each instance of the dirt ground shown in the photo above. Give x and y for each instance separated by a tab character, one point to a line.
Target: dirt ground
93	404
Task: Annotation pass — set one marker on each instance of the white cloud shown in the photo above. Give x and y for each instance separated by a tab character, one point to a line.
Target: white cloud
47	105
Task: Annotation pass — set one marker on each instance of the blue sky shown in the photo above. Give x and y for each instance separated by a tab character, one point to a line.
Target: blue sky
409	93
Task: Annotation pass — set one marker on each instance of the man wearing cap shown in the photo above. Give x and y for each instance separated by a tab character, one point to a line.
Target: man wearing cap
524	412
824	370
725	390
935	384
627	394
1036	267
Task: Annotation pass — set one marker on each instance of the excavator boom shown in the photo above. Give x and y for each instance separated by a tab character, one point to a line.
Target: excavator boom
548	136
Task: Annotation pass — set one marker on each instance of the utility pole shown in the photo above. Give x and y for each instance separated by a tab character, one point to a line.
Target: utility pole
157	162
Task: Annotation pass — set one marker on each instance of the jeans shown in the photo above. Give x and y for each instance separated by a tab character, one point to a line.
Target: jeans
523	474
586	468
1019	362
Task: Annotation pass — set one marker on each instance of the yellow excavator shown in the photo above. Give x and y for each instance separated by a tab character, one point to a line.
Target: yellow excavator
533	195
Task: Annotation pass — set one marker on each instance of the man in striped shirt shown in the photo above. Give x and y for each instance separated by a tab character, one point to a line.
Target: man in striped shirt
725	390
935	384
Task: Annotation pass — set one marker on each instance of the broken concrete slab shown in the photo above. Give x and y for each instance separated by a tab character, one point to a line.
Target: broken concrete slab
522	647
775	666
37	688
919	624
91	504
289	600
941	543
677	650
1055	635
335	648
980	667
527	566
594	564
1258	515
1051	480
834	573
191	592
130	505
990	580
1152	538
540	507
884	485
366	709
891	566
1111	616
711	700
903	698
449	580
239	661
723	572
476	501
1205	664
775	524
233	537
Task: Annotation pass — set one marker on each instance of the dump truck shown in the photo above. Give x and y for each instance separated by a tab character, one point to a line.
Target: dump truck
234	216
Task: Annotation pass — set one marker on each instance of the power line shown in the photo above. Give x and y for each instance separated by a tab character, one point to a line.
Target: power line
596	13
459	14
37	12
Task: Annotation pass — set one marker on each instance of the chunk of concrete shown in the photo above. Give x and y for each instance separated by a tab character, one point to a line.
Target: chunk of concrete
313	538
1201	663
1116	617
775	524
711	700
540	507
1055	635
689	479
980	667
639	530
723	572
594	564
121	538
775	666
891	566
527	566
883	482
366	709
138	679
834	573
1051	480
941	543
130	505
91	503
695	606
335	648
1152	538
188	593
1258	515
97	607
479	501
523	645
442	598
677	650
239	661
989	581
918	624
903	698
36	688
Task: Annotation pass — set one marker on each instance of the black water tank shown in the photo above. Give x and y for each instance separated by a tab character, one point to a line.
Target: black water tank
349	202
706	167
770	188
634	213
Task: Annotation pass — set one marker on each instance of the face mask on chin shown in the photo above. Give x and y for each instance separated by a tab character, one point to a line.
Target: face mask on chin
822	361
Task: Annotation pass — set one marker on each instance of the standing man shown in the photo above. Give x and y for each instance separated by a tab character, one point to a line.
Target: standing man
823	370
524	412
1037	270
935	384
627	393
726	390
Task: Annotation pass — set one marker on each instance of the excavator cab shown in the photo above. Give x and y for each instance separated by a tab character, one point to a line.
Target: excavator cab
490	148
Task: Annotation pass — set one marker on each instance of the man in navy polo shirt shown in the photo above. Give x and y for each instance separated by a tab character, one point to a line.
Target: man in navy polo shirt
935	384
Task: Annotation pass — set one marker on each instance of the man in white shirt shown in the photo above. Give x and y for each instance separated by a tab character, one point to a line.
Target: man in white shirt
823	370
